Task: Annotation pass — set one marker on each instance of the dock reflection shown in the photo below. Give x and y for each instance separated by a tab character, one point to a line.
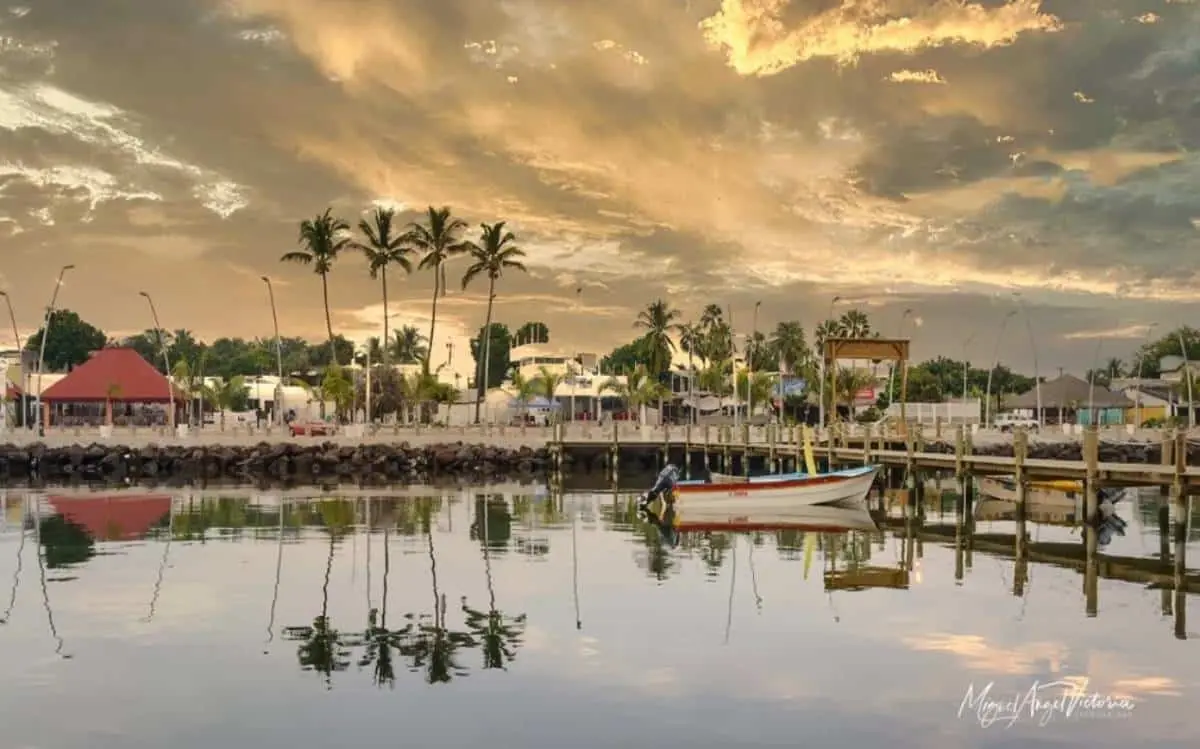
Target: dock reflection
441	643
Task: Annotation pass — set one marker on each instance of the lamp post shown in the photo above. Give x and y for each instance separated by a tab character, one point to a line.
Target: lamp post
892	368
42	350
1037	377
12	317
966	366
1137	411
162	345
1187	376
751	351
821	392
278	353
987	408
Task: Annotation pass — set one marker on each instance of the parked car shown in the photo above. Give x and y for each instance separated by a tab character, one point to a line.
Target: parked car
311	428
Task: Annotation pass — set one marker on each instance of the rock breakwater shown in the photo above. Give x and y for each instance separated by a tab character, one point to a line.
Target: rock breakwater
400	462
1110	452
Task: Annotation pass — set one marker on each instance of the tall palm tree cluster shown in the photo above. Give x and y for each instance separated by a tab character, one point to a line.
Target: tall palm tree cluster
427	245
711	341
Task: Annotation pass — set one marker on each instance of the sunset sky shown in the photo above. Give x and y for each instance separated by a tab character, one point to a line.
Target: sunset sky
937	155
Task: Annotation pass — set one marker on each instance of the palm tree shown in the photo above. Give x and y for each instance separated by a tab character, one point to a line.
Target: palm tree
225	394
638	390
322	239
855	324
546	383
496	252
384	246
525	391
409	346
439	241
376	351
790	345
691	340
1115	368
658	319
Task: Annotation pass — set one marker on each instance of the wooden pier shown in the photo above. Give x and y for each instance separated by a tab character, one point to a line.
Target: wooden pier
781	448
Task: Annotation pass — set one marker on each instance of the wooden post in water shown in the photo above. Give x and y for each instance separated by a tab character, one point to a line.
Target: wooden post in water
726	437
1167	458
1164	553
771	447
666	448
867	444
745	450
1091	459
1021	548
1091	576
706	448
1181	511
687	451
615	451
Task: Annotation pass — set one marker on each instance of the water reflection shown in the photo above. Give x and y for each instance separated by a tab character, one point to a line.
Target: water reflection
482	584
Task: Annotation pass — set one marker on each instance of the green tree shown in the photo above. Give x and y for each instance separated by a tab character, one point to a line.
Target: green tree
639	389
72	340
322	239
531	332
336	386
318	355
409	346
495	253
228	395
626	358
147	346
498	348
439	240
659	320
384	246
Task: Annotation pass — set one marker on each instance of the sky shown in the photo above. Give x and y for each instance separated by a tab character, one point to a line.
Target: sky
959	159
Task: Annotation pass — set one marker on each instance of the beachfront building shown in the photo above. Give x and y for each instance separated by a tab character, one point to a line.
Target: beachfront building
116	386
1070	400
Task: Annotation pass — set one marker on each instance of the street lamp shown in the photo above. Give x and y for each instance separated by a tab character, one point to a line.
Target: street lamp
278	353
162	345
1037	377
1141	361
16	335
751	351
42	351
966	366
1187	375
987	408
821	393
892	367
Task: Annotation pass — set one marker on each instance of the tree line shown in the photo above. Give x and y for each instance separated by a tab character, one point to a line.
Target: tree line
711	346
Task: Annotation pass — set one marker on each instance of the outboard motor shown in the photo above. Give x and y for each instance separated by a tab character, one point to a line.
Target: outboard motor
662	485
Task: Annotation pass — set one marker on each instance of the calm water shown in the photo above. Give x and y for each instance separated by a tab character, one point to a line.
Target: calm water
534	621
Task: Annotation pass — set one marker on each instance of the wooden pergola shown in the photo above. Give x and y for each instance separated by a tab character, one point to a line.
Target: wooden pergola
874	349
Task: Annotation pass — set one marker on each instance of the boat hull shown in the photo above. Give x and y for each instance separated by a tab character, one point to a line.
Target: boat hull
812	519
785	492
1051	494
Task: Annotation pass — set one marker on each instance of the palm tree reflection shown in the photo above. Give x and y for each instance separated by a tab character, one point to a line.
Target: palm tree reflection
500	635
380	641
322	648
431	647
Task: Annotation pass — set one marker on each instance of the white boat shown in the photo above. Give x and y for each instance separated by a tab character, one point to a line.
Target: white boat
767	494
810	518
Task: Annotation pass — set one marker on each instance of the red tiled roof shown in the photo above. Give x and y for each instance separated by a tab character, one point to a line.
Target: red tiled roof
113	517
134	379
12	391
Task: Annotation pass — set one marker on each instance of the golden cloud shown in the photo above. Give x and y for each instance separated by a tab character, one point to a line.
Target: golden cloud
757	41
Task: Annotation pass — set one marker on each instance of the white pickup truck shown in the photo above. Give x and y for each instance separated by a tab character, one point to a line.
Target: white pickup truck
1009	422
